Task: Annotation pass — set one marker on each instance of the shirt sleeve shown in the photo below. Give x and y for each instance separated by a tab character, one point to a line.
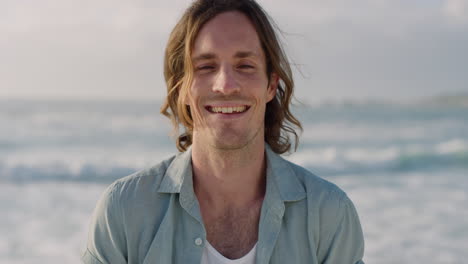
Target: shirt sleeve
345	243
106	237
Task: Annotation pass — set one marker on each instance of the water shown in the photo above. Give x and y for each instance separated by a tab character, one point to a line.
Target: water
404	166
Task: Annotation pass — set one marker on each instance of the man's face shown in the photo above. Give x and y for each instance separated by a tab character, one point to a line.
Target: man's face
230	87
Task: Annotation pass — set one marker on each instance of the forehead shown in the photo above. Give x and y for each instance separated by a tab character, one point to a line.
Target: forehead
227	34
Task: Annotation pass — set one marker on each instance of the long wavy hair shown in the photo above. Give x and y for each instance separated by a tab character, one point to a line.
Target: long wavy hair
280	123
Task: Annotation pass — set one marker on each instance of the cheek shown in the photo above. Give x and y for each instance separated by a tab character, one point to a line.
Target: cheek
195	91
199	87
256	83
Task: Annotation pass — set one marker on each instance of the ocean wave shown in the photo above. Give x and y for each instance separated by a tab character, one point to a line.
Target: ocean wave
335	161
325	161
59	172
78	164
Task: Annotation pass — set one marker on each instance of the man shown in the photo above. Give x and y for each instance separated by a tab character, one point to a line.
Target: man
228	197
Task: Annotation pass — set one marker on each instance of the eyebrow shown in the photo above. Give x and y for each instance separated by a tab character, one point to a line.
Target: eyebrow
204	56
239	54
245	54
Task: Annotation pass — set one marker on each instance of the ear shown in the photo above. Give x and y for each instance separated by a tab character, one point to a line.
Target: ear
272	86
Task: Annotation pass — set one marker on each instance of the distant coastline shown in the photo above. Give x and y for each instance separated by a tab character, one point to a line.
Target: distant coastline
456	99
442	100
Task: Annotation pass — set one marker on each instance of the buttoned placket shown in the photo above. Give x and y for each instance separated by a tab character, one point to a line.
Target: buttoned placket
189	202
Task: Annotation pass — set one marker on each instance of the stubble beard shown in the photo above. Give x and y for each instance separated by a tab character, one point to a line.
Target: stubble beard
227	139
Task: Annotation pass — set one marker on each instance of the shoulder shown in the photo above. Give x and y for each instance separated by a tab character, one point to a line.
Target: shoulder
326	202
296	182
333	219
140	184
125	203
121	214
316	187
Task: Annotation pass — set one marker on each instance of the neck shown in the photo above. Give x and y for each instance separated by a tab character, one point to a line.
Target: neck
229	178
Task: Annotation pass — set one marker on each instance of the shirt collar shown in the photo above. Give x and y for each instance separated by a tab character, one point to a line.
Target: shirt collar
279	173
179	169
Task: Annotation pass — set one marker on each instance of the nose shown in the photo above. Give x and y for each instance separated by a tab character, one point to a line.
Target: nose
226	81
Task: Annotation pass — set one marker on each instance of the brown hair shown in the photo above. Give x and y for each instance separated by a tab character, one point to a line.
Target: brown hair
178	71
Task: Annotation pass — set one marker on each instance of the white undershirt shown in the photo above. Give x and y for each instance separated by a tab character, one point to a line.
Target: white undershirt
212	256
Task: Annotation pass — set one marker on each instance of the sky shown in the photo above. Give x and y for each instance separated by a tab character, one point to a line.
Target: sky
394	50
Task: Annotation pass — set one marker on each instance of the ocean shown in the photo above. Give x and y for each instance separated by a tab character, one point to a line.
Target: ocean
405	166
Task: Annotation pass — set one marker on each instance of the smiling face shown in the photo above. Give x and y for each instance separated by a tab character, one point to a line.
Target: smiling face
230	87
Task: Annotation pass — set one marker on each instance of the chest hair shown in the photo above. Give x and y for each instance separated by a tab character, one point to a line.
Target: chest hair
233	232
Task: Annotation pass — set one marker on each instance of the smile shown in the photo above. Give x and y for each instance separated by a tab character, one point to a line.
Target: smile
227	109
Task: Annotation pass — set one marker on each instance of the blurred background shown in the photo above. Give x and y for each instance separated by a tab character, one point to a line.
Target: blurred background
383	91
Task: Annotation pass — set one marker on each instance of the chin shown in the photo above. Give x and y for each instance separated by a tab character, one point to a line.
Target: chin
233	142
228	139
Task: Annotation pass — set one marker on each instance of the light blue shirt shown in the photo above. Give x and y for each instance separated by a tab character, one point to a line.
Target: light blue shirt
153	216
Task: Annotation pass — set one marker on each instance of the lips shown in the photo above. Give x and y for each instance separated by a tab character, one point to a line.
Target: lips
236	109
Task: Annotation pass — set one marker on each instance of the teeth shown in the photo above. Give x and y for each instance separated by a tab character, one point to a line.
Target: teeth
229	110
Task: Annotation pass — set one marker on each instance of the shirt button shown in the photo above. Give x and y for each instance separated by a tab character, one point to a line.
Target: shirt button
198	241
